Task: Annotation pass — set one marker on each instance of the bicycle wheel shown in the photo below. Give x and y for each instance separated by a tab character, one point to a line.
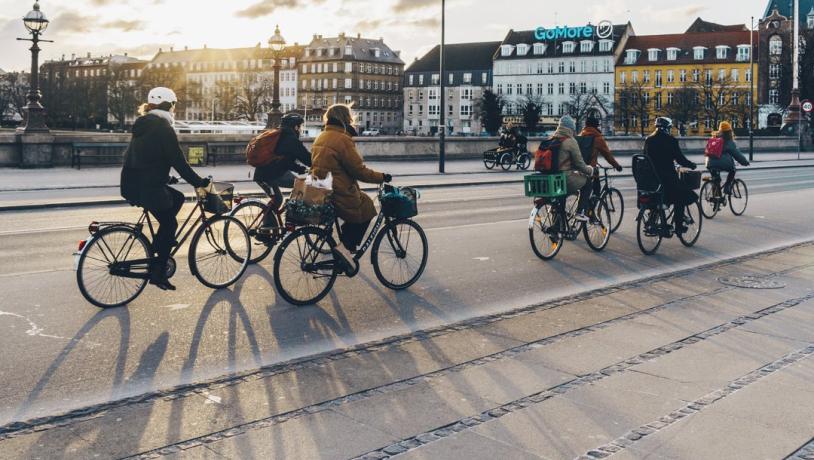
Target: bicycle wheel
694	221
304	266
110	246
524	161
616	208
648	231
709	204
597	230
399	254
220	252
249	214
739	197
506	161
544	233
489	161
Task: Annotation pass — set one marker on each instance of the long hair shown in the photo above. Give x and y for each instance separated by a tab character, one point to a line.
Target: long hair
341	113
145	108
727	135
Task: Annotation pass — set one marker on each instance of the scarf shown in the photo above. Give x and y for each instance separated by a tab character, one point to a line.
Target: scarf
164	114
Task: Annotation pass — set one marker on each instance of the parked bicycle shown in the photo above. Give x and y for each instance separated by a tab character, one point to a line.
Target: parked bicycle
612	198
553	217
306	268
713	197
112	266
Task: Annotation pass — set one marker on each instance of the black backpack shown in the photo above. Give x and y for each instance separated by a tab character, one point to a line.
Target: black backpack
586	148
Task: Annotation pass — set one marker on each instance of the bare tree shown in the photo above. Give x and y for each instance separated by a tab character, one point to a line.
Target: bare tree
682	106
13	94
254	97
228	100
530	109
122	98
489	109
715	93
633	104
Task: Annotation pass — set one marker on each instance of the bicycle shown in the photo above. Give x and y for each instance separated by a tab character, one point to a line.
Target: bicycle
713	197
653	221
553	217
613	199
252	213
507	157
306	268
112	266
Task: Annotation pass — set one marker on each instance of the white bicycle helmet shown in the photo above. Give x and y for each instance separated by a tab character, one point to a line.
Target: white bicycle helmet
161	94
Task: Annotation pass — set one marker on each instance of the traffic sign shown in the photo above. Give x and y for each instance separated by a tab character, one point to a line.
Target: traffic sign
807	106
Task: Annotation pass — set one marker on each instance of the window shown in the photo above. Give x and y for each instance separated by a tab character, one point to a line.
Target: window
721	74
467	78
658	79
561	67
748	75
540	68
672	54
735	98
451	110
775	45
657	101
774	71
646	76
433	94
634	76
586	46
561	88
696	75
500	88
572	88
451	79
583	67
774	96
466	94
421	79
572	67
436	79
506	50
671	77
606	88
550	90
522	49
433	110
743	53
622	77
539	89
735	75
483	78
669	98
682	76
653	54
519	89
631	56
550	67
583	88
539	48
509	89
699	52
568	47
721	52
722	98
528	89
466	110
605	45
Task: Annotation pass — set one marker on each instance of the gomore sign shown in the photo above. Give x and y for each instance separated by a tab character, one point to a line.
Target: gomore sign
603	30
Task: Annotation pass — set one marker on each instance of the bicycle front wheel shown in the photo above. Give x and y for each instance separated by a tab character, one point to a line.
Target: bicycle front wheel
399	254
544	233
693	220
597	231
739	197
648	231
709	203
506	161
220	252
112	250
250	214
305	269
616	208
524	161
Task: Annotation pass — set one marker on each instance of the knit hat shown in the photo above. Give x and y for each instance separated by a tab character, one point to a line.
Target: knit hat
725	126
567	122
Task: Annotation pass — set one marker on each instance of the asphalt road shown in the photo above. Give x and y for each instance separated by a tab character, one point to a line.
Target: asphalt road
61	353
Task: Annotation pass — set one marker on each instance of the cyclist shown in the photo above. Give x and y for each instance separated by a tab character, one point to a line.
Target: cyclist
663	150
293	155
600	148
153	150
335	152
572	164
730	154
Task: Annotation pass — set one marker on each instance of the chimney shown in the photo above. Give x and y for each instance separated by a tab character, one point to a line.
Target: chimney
88	55
73	56
358	35
125	54
63	57
342	35
171	50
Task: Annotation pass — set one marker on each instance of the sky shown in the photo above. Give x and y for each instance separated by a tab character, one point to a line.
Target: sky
141	27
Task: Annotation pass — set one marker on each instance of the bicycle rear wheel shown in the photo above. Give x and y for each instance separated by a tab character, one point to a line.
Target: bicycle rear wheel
544	235
709	203
648	231
250	213
305	269
596	231
524	161
399	254
616	207
114	245
220	252
506	161
739	197
694	221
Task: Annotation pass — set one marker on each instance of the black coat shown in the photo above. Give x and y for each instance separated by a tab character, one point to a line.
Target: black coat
292	150
153	150
664	152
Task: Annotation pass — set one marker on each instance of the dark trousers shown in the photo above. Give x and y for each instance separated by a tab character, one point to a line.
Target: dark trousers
678	217
276	195
167	226
585	195
730	178
352	234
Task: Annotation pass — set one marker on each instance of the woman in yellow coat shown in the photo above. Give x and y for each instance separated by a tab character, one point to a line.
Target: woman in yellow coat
335	152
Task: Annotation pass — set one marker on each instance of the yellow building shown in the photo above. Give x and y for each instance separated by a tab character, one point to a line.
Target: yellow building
697	78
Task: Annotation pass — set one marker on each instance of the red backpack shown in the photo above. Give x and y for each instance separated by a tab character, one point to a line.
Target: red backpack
262	150
714	148
547	156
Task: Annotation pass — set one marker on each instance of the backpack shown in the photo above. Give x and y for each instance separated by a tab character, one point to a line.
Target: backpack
586	148
547	156
262	150
714	148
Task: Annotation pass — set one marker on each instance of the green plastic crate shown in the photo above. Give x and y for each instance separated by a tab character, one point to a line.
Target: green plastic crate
545	185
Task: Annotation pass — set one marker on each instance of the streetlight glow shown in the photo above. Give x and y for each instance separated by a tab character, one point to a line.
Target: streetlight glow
35	21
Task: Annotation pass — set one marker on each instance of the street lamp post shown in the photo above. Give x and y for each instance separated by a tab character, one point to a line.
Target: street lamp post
36	23
794	115
277	43
752	89
442	154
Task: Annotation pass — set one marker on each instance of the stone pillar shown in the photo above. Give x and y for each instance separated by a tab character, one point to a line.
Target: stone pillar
36	150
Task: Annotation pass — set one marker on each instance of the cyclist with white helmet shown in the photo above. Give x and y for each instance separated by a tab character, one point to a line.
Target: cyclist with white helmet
153	150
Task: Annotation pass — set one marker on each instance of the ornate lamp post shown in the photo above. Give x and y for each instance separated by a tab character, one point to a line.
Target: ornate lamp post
277	43
36	23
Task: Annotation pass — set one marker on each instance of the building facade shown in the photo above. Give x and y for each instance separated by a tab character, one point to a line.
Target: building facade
352	70
564	74
468	72
698	78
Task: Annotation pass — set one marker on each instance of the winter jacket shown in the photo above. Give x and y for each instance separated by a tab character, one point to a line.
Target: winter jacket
153	150
664	151
292	150
571	162
730	154
334	151
600	147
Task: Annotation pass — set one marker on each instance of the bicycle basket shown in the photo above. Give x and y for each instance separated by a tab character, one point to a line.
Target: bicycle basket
217	198
400	203
299	212
692	179
545	185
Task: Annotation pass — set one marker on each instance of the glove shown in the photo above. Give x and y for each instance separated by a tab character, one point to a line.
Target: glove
693	166
172	180
619	168
747	163
388	178
203	183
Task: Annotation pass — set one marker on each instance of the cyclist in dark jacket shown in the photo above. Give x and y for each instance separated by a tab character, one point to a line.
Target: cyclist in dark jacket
294	155
730	155
663	150
153	150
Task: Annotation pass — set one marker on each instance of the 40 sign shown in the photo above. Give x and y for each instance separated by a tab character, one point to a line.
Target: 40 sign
602	31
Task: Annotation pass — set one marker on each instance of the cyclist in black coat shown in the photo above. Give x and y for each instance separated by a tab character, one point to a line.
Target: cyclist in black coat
153	150
663	150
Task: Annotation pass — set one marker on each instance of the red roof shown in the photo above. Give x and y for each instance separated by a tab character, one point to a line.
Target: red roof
686	42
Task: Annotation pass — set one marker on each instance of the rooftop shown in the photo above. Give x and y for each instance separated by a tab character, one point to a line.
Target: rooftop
685	43
459	56
527	37
219	54
362	49
704	26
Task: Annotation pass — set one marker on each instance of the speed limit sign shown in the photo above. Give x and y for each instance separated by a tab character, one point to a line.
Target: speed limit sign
807	106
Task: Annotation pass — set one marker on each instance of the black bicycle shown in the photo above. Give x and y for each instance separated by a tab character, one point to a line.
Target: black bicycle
713	197
612	198
113	265
306	267
506	157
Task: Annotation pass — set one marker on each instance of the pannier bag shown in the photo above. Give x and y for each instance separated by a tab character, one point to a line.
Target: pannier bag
714	148
691	178
400	203
547	156
262	150
217	197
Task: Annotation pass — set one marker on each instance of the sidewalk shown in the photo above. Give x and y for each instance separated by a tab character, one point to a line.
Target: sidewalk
714	362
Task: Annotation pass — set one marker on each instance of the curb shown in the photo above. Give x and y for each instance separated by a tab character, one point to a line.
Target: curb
95	203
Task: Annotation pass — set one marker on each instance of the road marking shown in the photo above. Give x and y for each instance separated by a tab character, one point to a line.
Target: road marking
481	259
177	306
34	330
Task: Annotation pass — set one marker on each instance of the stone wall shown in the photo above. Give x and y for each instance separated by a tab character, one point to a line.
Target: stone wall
373	148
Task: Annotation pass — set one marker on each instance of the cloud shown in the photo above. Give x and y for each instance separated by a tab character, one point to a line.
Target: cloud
73	23
267	7
403	6
124	25
369	25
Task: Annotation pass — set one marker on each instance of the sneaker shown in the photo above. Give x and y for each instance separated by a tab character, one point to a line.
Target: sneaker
158	278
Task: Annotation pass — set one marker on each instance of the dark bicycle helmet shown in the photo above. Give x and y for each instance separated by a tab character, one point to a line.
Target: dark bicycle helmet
291	120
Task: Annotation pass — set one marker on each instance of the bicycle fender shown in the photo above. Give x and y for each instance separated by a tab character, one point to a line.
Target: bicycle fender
640	215
533	218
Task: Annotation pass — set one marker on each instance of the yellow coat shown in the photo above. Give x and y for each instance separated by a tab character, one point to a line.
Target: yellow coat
334	151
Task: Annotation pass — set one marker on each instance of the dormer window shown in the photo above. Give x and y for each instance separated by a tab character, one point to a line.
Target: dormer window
631	56
539	48
810	18
743	53
721	51
699	52
672	54
605	45
319	52
586	46
348	50
568	47
377	52
506	50
653	54
522	49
